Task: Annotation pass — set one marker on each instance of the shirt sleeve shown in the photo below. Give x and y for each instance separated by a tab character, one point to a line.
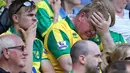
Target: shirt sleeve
44	21
38	51
58	43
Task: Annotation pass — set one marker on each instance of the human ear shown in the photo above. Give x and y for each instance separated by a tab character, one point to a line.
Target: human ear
82	16
82	59
15	18
6	53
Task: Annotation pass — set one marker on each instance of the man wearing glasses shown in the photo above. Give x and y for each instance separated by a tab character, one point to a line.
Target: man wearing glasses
22	14
12	54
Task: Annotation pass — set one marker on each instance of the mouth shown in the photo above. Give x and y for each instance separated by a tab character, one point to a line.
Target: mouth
24	58
99	66
90	34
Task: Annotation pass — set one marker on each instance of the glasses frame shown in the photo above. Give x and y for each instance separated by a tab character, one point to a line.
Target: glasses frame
16	47
21	47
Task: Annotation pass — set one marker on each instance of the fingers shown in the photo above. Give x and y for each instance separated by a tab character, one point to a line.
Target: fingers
32	27
96	20
102	17
95	17
23	33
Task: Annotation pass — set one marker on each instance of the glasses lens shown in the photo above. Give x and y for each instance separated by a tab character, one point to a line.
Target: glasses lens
27	3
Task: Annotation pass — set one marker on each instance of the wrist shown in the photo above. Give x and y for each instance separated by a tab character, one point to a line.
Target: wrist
106	34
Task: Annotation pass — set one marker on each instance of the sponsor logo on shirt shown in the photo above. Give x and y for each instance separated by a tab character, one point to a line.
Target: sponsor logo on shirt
75	35
62	45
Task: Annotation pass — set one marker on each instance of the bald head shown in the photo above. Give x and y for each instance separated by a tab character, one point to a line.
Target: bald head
82	47
9	40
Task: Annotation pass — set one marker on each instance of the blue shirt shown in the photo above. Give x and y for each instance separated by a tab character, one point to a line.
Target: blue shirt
85	2
63	13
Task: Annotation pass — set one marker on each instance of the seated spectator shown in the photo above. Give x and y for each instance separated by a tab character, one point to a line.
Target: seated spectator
4	17
83	54
122	22
22	14
64	34
47	15
13	54
117	38
118	67
121	52
68	8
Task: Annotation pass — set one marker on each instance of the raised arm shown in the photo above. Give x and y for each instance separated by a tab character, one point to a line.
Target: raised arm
102	27
29	37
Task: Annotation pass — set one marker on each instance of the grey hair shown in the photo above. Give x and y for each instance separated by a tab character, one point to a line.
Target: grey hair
5	42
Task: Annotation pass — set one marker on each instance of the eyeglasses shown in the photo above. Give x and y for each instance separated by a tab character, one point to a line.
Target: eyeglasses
21	48
27	4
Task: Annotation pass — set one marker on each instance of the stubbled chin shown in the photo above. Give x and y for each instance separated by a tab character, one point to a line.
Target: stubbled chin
85	37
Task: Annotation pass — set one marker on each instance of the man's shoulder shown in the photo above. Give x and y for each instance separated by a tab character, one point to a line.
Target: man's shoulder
61	25
3	71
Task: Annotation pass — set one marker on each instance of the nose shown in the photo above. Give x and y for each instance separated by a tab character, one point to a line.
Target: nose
100	60
25	52
34	19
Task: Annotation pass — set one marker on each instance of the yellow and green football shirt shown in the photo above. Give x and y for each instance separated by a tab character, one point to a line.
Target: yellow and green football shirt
58	42
39	53
117	38
45	15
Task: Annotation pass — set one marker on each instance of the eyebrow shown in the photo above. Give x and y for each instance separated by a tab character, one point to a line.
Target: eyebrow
98	55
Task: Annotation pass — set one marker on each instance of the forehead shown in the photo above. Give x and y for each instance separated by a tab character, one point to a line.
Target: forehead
25	10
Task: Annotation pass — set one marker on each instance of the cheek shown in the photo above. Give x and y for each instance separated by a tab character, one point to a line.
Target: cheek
15	54
93	60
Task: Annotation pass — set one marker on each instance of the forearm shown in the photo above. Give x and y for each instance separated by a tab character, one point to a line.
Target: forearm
107	42
47	67
56	14
29	59
66	63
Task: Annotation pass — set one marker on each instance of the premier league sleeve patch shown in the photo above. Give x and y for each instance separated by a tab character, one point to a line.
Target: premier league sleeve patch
62	45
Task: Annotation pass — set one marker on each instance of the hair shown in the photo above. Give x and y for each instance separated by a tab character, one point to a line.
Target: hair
79	48
117	67
16	4
6	41
103	6
120	52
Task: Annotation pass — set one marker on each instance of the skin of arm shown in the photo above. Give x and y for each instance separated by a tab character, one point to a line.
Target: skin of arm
47	67
102	27
29	37
56	5
66	63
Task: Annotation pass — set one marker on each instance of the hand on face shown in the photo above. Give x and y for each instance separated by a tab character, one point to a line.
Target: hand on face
101	25
56	5
30	33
